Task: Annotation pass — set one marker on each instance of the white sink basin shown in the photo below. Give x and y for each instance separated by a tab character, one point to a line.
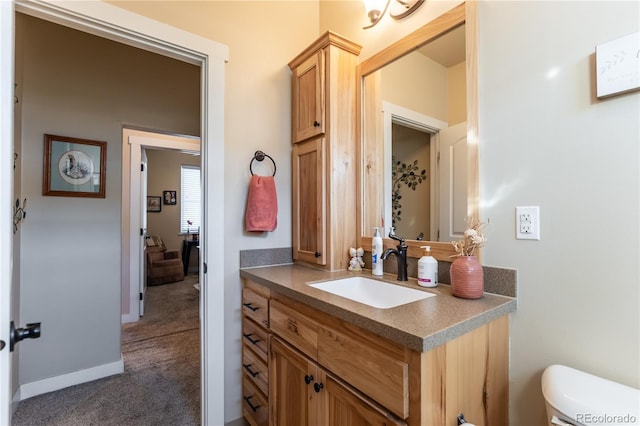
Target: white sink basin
378	294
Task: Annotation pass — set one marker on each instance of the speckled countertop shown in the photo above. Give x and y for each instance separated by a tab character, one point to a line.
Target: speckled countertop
420	325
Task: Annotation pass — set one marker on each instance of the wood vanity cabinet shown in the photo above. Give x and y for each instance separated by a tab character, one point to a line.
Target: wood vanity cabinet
324	151
255	353
325	371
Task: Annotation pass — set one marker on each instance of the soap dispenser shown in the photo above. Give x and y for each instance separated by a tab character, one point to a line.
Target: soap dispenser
376	252
427	269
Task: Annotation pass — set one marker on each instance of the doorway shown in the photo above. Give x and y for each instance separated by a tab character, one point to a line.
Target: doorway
111	22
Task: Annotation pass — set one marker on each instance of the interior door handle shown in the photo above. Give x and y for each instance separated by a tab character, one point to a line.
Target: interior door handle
31	331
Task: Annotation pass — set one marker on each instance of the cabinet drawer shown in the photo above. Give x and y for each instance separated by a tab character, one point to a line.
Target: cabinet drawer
300	331
376	374
256	370
255	306
254	405
255	337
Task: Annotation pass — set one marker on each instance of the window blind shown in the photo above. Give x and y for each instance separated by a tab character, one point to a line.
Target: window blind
190	199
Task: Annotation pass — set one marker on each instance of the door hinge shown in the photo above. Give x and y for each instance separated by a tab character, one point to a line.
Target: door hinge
141	296
141	232
141	167
204	267
438	157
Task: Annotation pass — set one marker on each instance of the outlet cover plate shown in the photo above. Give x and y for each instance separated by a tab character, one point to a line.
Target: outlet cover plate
528	223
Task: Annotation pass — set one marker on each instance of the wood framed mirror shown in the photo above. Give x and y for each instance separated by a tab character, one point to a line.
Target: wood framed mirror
380	120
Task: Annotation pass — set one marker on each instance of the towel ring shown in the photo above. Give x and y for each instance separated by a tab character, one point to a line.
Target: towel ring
259	155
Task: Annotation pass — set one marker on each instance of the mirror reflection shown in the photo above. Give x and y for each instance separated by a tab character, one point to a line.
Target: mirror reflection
414	142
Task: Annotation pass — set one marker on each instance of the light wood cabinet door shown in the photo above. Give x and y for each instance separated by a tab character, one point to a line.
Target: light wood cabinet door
309	202
293	399
308	98
344	407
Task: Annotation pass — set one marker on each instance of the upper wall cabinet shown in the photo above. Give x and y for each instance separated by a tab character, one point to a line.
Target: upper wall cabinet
308	96
324	153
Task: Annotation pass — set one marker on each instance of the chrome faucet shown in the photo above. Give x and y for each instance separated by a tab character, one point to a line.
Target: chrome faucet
401	255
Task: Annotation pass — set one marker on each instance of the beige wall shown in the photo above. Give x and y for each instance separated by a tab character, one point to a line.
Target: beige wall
457	91
74	84
262	36
164	175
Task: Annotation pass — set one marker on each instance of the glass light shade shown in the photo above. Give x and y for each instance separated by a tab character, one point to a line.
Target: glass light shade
374	8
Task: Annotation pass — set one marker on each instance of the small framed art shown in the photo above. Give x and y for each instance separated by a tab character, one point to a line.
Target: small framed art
169	198
154	204
74	167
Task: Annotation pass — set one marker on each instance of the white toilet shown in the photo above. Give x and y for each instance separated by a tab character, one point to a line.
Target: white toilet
577	398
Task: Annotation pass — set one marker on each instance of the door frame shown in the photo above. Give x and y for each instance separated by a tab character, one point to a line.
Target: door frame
133	141
6	202
111	22
392	113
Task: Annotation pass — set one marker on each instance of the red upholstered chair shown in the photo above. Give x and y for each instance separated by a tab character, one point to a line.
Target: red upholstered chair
163	266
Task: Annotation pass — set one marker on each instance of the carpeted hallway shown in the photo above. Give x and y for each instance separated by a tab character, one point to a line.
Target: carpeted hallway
161	382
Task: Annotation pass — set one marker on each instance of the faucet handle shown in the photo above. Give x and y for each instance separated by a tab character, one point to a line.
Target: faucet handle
393	236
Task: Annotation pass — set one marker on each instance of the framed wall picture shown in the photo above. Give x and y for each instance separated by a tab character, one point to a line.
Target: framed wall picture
74	167
154	204
169	198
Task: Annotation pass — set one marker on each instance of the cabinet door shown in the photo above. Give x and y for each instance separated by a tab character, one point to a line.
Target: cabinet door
308	98
309	206
345	407
293	400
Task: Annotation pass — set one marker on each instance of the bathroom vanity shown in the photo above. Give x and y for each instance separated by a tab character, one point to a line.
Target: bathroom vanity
314	358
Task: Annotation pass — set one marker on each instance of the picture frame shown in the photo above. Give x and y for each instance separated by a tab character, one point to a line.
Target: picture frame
154	204
74	167
169	198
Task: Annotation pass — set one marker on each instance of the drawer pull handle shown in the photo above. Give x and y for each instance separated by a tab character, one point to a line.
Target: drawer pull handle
248	368
308	378
292	326
248	337
253	407
250	306
317	387
316	124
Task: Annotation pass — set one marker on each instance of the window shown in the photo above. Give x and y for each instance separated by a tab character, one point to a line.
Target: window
190	199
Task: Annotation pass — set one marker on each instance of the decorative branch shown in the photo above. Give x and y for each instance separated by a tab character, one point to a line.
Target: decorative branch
402	173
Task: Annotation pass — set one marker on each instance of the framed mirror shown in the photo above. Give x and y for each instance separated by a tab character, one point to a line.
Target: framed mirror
417	110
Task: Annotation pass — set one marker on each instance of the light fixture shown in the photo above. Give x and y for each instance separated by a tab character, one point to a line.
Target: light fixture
376	9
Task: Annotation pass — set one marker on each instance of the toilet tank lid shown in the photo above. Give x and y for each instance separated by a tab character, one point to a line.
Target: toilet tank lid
574	392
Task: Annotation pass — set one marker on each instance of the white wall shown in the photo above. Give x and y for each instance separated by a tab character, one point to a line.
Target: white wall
77	85
545	140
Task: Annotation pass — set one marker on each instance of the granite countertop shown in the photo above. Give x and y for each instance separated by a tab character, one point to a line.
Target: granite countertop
420	325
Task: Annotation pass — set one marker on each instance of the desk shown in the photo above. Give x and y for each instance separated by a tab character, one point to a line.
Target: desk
187	245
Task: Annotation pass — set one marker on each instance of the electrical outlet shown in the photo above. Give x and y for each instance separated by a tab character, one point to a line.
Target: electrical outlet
528	223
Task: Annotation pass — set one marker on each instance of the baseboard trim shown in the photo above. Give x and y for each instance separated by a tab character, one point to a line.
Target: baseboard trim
51	384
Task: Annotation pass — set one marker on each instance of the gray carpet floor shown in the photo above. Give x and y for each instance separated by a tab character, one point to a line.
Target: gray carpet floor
161	381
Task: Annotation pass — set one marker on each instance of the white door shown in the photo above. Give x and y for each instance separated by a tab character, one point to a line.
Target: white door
143	228
6	189
453	182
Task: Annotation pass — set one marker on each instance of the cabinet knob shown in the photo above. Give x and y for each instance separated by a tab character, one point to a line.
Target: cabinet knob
317	387
316	124
317	254
308	378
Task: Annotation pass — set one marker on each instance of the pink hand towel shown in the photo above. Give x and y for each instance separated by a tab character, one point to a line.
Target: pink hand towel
262	205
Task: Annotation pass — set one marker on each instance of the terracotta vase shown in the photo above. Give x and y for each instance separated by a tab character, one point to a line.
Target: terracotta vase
467	277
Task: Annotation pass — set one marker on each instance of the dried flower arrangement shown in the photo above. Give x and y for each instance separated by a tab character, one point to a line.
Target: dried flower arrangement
473	239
